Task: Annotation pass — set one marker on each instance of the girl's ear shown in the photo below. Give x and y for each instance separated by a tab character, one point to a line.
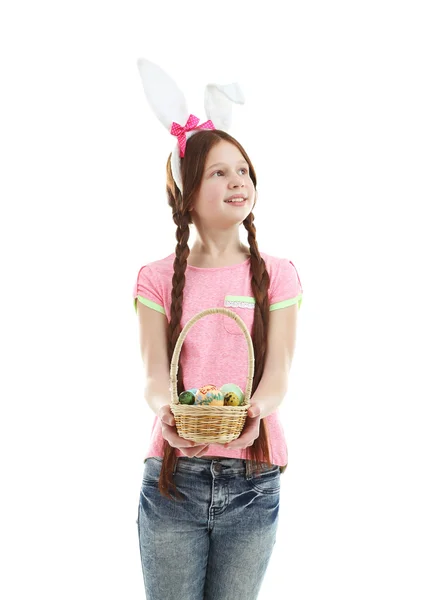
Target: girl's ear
163	94
218	103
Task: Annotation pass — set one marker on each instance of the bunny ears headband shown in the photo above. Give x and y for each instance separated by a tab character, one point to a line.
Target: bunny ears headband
169	105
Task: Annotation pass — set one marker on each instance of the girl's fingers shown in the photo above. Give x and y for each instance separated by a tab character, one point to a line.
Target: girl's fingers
194	453
174	439
169	420
253	412
247	436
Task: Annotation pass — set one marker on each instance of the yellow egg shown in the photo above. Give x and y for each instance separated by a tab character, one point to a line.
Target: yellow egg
231	399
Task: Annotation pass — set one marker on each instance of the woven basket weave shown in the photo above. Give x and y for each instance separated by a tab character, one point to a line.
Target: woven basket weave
210	424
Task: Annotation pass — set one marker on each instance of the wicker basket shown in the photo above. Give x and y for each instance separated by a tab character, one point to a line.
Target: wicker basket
210	424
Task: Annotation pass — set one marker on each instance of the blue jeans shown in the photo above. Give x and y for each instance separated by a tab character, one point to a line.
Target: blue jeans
215	543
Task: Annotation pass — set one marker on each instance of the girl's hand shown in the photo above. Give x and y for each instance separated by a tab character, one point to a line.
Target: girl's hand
250	431
169	433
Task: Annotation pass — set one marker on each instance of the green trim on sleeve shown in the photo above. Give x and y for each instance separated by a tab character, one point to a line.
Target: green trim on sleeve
149	303
286	303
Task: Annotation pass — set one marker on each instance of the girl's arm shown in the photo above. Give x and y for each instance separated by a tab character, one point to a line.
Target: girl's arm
280	351
153	348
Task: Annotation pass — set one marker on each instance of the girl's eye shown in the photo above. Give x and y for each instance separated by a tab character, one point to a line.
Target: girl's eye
242	169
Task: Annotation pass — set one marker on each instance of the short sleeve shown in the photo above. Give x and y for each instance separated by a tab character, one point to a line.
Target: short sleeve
147	290
285	286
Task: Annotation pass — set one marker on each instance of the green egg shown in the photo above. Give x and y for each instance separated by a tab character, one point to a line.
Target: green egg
186	398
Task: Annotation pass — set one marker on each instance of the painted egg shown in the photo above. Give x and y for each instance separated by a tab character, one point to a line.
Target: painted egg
231	399
202	391
209	395
186	398
232	387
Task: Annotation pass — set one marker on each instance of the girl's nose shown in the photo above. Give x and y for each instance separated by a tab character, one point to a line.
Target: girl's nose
236	180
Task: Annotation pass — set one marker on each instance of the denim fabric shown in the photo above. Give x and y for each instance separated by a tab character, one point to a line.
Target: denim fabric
215	543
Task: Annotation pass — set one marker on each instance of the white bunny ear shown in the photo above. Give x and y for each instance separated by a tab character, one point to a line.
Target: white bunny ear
163	94
218	103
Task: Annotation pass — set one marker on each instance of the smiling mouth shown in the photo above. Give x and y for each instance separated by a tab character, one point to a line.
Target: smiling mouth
236	200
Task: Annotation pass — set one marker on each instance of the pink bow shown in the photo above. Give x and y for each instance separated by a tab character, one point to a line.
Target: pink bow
180	131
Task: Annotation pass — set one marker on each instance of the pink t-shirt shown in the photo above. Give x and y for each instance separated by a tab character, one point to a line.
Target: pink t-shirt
215	349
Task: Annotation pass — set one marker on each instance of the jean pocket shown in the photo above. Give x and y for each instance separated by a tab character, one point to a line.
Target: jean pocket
267	482
152	470
243	306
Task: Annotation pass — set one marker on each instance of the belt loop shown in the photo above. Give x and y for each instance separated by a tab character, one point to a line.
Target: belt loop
175	465
248	469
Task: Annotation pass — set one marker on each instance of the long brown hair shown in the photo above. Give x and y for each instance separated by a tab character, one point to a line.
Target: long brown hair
192	167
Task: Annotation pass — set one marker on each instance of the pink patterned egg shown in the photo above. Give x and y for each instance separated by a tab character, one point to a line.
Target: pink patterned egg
209	395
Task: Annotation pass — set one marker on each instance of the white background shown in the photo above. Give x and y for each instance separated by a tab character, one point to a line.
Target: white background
332	125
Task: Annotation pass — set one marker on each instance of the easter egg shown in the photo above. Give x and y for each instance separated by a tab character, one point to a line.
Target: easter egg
231	399
186	398
202	391
209	395
232	387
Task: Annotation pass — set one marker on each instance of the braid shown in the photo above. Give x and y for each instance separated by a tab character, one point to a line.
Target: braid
260	286
182	251
259	451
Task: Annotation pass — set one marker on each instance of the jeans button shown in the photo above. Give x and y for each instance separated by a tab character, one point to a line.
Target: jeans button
217	467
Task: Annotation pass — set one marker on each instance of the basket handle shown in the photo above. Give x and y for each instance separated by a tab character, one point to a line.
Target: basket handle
180	340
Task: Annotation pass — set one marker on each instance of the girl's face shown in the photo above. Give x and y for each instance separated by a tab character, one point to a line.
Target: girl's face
226	174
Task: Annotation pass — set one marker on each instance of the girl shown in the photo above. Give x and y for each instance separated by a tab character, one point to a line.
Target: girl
208	514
